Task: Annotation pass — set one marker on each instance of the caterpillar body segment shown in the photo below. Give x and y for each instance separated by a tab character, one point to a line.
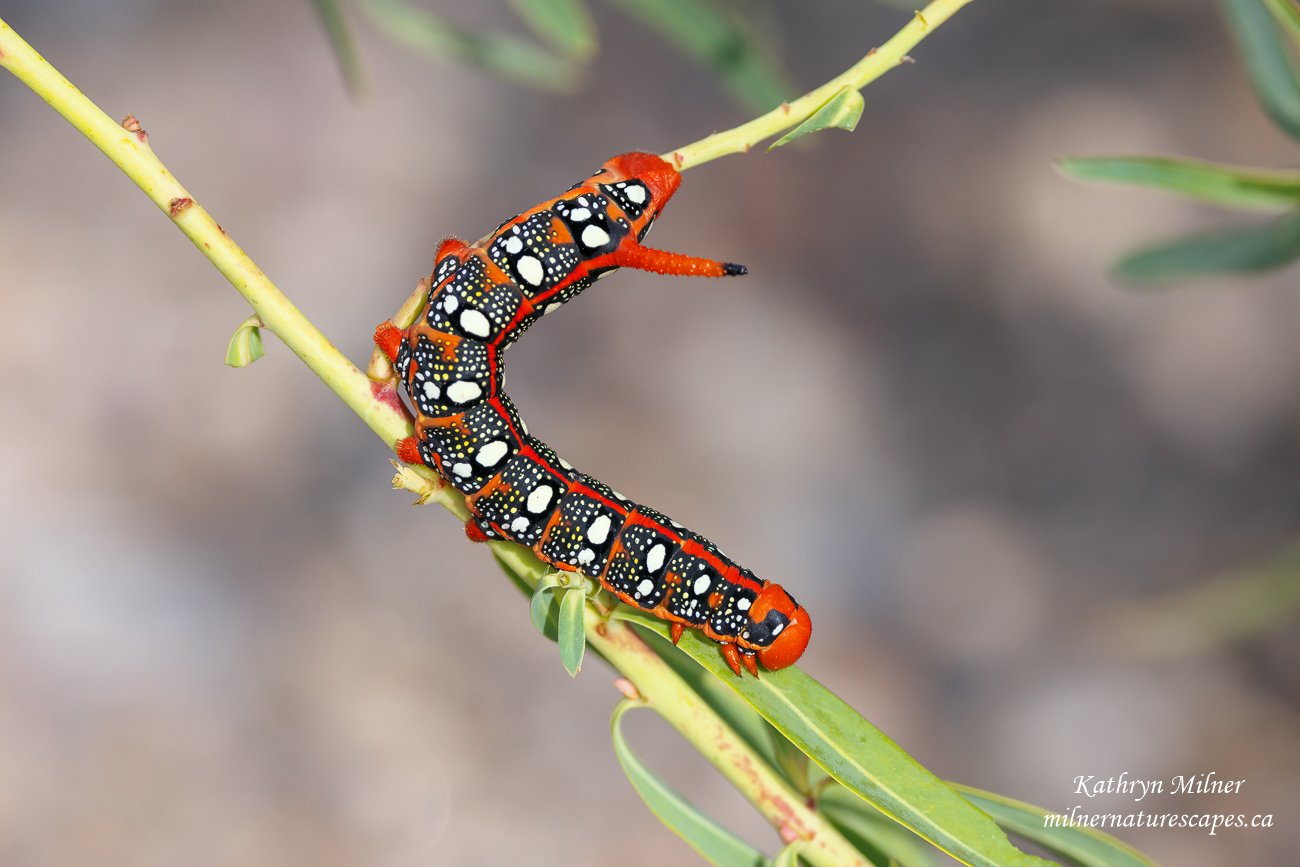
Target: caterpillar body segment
482	297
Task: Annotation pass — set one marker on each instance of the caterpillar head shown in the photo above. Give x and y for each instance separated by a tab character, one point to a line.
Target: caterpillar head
660	177
779	627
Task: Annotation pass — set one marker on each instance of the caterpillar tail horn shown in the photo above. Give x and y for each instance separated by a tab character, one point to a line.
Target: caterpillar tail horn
664	262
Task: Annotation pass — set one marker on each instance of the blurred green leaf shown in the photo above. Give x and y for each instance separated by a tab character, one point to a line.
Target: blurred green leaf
1269	61
1233	186
1248	248
713	842
787	857
841	111
340	36
874	834
1209	616
500	54
1085	847
859	756
565	24
1288	15
573	634
705	33
245	345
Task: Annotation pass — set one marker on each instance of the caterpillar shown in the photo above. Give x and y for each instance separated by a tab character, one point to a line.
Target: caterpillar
449	362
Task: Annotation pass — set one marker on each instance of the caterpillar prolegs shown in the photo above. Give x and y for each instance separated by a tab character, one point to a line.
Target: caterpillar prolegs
482	297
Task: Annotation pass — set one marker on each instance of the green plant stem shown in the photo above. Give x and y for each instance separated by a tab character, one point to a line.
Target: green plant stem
788	115
377	406
131	152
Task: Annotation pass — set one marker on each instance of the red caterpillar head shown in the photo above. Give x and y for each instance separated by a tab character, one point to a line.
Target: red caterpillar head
779	628
660	178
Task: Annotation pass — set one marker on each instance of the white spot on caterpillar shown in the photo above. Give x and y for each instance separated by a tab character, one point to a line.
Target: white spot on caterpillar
431	390
475	323
514	245
655	558
594	236
519	525
540	498
586	556
450	303
742	604
598	532
702	585
636	193
551	308
530	268
463	392
566	464
578	215
492	453
776	630
462	470
644	588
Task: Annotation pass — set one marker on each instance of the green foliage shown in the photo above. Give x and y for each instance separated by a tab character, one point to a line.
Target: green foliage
841	111
245	345
565	24
1082	846
340	36
500	54
1267	52
572	634
857	755
1230	186
704	30
1246	248
1267	33
714	843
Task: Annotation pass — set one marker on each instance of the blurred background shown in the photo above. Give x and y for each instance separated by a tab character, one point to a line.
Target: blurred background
1013	493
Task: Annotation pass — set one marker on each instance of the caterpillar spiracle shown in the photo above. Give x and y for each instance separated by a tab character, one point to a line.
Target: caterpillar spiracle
482	297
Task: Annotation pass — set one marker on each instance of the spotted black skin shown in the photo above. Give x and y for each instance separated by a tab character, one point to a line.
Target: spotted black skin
450	364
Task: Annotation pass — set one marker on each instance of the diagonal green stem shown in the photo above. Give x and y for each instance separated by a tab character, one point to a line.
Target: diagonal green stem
376	404
130	151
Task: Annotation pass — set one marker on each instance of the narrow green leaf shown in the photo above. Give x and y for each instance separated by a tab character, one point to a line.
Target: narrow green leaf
1234	186
500	54
787	857
734	710
1288	15
703	32
1266	55
713	842
1249	248
245	345
841	111
1083	846
340	36
542	609
861	757
565	24
573	634
873	833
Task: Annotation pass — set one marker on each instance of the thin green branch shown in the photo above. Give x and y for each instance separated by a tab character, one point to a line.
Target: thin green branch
376	404
127	145
786	116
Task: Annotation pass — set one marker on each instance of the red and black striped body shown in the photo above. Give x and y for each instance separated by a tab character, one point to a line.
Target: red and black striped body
482	298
